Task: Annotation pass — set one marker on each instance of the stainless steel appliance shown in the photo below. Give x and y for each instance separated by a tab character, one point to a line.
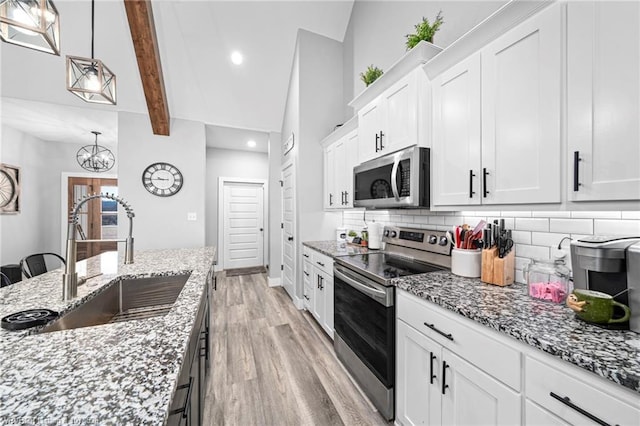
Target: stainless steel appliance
610	265
364	306
397	180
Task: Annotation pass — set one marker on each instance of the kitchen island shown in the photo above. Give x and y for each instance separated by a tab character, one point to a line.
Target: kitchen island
120	373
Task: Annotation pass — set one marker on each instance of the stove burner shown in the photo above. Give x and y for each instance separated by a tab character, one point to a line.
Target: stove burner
27	319
390	272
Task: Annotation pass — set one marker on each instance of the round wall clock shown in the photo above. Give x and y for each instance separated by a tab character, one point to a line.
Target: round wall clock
162	179
9	189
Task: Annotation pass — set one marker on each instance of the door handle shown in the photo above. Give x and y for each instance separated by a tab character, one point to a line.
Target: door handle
330	199
290	238
567	401
576	171
394	176
432	376
346	198
377	136
261	229
444	376
471	176
484	182
381	135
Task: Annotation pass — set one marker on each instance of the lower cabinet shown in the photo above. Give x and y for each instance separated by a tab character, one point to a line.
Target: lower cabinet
435	386
318	287
187	407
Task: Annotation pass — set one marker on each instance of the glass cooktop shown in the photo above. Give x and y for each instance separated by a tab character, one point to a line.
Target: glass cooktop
386	266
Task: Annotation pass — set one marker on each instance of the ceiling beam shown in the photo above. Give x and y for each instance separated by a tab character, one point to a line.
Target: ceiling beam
145	42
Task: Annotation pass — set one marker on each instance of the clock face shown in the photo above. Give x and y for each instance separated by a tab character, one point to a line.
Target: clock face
162	179
7	188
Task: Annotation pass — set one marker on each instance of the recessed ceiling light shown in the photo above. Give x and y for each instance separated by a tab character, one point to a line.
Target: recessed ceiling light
236	58
251	144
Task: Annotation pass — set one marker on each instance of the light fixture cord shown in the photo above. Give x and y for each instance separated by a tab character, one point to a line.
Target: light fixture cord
92	23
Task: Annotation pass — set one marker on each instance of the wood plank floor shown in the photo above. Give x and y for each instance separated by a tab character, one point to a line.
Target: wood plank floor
273	364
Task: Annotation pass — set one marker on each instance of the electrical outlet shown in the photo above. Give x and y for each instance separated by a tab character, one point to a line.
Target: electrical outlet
192	216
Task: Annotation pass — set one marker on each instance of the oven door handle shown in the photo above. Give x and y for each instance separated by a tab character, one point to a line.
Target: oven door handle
394	176
370	291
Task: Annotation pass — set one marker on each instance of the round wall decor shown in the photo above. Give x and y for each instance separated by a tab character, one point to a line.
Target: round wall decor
162	179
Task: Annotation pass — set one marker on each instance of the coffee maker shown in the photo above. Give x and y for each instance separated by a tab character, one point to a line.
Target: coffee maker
610	265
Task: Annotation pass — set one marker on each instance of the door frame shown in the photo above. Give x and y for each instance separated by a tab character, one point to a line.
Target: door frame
64	201
265	214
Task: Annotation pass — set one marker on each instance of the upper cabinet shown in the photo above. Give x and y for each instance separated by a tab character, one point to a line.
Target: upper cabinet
390	122
603	76
340	157
496	119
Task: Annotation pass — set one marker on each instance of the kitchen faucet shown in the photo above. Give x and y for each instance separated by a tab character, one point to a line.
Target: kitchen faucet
70	277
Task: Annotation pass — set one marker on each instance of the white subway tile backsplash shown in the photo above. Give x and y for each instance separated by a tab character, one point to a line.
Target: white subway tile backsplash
521	237
436	220
563	214
532	224
547	239
423	219
617	227
516	214
521	262
532	252
453	220
631	215
596	215
571	226
471	213
509	222
519	276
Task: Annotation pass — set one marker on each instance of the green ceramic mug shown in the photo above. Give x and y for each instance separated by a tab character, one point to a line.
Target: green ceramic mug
598	307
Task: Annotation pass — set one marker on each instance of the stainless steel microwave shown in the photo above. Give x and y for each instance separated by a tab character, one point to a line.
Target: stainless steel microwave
397	180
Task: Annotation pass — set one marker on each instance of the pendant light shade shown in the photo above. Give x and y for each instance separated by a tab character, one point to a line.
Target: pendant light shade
95	158
31	23
89	78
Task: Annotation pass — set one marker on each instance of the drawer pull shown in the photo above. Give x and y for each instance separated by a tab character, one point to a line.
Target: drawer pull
320	263
187	402
305	255
306	273
448	336
444	376
566	401
433	376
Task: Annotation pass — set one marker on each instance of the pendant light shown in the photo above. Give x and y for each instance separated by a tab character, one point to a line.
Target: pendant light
90	79
30	23
95	158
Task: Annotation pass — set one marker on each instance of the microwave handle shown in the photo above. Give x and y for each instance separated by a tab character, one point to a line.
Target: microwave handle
394	175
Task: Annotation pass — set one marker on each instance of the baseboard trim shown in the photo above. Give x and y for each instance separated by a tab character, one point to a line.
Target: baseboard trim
274	282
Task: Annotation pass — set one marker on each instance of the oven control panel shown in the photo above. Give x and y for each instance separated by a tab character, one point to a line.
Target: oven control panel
422	239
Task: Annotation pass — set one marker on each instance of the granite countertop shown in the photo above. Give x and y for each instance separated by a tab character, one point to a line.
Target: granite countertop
550	327
330	248
121	373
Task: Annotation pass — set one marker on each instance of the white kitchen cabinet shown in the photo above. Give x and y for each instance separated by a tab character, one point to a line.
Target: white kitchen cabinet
442	377
390	122
456	135
521	94
603	69
340	158
320	302
330	177
307	274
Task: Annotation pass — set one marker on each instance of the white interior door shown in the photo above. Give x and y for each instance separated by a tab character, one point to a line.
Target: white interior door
243	225
288	228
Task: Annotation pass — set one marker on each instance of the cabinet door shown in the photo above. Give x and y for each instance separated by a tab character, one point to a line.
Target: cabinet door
400	114
317	301
456	135
327	293
418	359
329	177
603	65
521	74
471	397
340	172
307	272
369	128
351	161
535	415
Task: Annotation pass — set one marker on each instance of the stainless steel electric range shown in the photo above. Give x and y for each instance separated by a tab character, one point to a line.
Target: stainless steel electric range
364	305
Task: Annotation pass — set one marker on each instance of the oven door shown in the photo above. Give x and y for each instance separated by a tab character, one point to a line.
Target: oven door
364	318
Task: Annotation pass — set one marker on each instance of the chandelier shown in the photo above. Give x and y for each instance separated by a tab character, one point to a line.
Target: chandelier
30	23
89	78
95	158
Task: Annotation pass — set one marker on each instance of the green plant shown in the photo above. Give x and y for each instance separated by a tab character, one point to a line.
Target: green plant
371	74
424	31
353	233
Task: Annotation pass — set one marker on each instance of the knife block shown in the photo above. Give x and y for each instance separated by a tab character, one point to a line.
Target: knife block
495	270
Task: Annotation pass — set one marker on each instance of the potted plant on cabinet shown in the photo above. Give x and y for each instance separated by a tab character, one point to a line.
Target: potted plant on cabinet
371	74
425	30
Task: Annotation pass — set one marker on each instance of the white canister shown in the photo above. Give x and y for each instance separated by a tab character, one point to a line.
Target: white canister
375	235
341	237
466	263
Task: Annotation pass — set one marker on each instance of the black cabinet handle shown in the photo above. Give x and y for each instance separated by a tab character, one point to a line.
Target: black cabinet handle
442	333
471	176
484	182
306	297
320	263
381	135
566	401
318	281
432	376
306	273
444	376
321	282
305	255
205	338
290	238
185	409
346	198
576	171
215	283
330	199
377	137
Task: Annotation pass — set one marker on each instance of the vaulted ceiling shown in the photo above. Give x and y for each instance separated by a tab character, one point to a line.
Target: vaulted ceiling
195	40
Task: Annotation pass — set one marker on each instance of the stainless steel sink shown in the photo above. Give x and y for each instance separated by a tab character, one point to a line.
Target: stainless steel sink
126	300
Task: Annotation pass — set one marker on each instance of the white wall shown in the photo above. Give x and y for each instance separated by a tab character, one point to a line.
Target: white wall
377	29
275	206
161	222
231	164
37	228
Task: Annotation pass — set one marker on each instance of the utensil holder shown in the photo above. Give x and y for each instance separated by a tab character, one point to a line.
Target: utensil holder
466	263
496	270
